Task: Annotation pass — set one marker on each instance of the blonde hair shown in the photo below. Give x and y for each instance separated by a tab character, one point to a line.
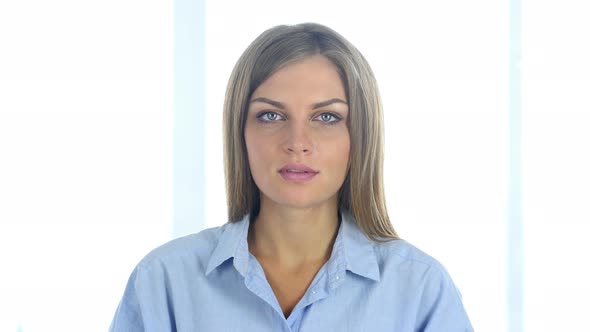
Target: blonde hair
362	193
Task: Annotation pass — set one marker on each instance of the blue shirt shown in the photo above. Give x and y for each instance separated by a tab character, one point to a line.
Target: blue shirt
211	282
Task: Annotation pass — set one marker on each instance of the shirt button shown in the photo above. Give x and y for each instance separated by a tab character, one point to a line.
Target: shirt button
337	277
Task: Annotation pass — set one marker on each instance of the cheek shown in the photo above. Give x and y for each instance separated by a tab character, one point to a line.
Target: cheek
340	152
344	145
256	151
249	139
345	156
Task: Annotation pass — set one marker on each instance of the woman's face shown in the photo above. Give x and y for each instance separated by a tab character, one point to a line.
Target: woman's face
296	135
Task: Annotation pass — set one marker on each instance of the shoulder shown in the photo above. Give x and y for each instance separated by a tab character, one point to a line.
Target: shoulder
402	256
403	251
167	273
194	248
438	301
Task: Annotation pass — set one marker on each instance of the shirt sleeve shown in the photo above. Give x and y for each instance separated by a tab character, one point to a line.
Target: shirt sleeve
441	308
128	316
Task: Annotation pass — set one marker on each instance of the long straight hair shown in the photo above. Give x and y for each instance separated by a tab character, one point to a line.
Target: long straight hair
362	193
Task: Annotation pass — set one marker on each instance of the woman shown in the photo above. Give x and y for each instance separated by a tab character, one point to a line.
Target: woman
309	245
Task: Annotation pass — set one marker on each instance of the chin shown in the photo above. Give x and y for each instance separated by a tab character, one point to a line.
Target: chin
305	202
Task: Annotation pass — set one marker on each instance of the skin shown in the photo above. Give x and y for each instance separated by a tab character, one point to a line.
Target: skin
293	234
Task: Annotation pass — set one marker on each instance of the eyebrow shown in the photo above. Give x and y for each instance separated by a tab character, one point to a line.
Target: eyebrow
315	106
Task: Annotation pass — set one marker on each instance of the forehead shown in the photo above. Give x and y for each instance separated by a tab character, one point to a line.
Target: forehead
313	77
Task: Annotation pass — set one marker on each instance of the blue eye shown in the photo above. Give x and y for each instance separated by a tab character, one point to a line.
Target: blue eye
329	118
268	116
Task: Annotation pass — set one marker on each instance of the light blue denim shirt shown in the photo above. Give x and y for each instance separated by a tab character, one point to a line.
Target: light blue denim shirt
211	282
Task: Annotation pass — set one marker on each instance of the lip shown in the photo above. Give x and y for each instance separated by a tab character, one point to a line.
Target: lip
306	173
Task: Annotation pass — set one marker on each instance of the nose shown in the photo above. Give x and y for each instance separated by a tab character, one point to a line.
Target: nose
298	140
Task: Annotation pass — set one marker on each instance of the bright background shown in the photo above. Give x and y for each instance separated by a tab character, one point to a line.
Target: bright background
110	144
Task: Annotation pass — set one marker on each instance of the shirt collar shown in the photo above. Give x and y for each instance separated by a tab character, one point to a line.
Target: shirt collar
233	243
352	250
357	249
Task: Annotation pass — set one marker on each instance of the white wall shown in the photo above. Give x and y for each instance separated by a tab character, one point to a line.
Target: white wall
85	156
556	164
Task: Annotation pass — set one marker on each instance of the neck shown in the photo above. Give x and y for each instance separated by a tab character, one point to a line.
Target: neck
294	237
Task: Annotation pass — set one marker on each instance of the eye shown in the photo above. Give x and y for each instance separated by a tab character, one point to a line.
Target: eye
328	118
269	116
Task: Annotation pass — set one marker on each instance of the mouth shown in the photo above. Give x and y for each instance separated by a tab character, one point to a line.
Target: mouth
297	168
297	172
294	171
